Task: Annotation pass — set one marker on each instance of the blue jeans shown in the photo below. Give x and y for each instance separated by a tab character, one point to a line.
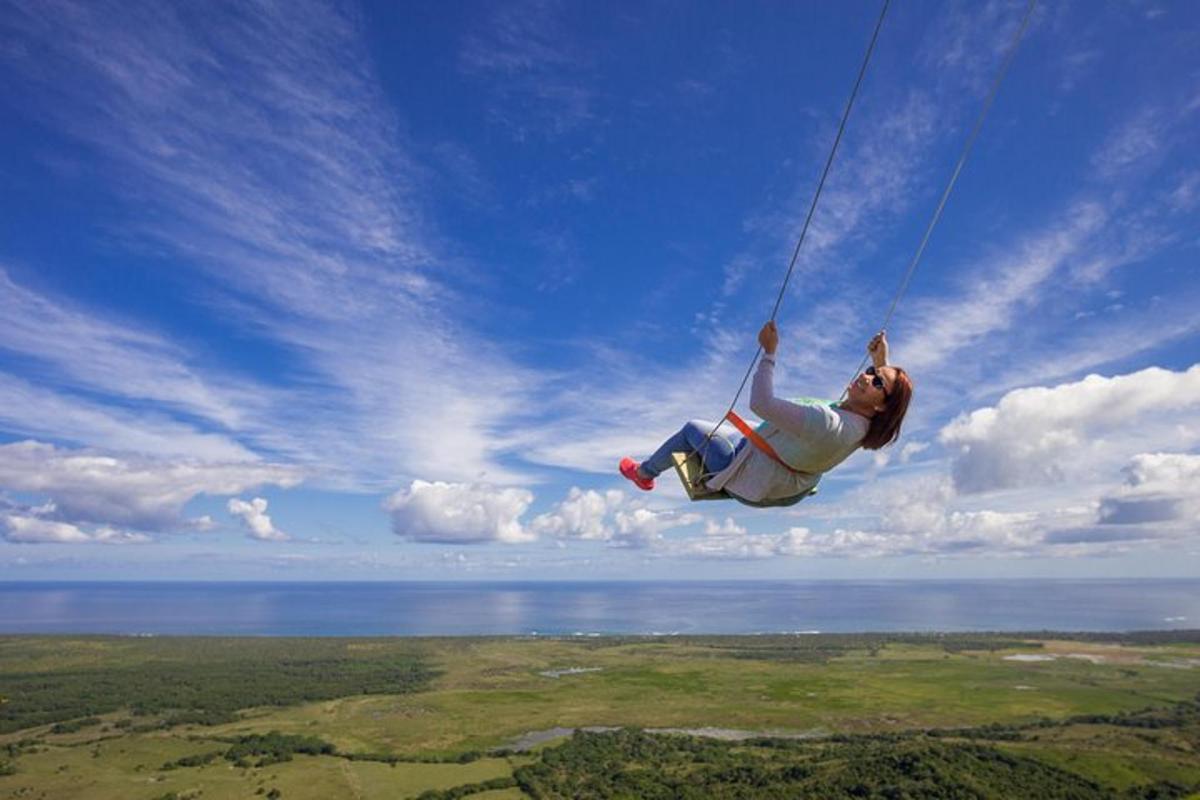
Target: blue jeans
715	456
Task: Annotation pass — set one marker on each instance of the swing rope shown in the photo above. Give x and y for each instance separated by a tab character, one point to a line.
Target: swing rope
837	140
920	251
958	168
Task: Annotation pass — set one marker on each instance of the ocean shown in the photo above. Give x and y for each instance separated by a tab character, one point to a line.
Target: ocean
595	608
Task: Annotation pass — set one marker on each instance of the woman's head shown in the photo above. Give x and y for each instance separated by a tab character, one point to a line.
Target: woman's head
886	391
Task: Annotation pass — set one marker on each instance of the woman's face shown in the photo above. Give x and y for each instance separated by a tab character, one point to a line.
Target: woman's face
863	389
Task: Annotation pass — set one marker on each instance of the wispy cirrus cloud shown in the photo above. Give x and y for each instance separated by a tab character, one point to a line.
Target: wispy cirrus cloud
998	293
37	411
79	349
280	174
536	76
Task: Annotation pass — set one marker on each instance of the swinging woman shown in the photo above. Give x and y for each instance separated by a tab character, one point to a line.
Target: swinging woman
780	462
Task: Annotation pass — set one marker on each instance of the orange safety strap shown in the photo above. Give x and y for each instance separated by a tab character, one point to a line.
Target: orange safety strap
759	442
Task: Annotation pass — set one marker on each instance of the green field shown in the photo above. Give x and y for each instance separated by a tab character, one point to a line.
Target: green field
108	717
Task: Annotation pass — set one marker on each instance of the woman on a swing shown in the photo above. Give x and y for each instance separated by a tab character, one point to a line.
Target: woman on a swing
781	461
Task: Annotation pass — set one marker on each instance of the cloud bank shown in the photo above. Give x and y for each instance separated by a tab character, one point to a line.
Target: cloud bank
87	488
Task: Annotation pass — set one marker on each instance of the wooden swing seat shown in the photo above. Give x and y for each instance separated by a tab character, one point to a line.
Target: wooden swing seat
690	471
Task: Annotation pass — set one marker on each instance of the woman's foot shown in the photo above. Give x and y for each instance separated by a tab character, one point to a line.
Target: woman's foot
629	468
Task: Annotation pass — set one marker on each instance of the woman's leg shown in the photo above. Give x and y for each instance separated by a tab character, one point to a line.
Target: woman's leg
715	454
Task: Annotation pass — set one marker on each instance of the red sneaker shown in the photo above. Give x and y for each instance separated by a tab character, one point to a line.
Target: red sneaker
629	468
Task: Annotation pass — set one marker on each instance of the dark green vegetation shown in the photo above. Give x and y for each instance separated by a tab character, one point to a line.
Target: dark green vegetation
819	648
196	681
911	764
467	789
274	748
879	716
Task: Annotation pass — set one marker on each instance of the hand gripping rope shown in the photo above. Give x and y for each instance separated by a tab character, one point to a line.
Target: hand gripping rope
691	473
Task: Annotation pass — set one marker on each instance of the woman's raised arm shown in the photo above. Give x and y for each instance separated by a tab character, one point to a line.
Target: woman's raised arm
793	417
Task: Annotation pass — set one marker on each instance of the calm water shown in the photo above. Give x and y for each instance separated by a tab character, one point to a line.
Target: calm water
412	609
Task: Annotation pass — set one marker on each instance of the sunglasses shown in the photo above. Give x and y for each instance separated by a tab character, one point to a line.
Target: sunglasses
877	381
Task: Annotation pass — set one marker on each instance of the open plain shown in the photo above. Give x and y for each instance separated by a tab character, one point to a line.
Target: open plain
163	717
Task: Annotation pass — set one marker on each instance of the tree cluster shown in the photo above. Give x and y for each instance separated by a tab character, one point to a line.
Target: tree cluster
631	764
205	681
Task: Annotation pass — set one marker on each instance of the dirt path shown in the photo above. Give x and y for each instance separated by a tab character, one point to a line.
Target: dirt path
352	780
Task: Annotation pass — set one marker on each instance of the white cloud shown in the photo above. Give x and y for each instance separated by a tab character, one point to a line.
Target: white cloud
999	291
726	528
1159	489
642	527
725	546
459	513
610	517
1151	472
582	515
1072	431
32	527
86	486
35	529
36	411
801	542
911	449
254	515
108	535
280	173
1132	144
86	351
1070	470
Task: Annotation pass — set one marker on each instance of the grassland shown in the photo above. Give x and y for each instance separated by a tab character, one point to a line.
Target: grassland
407	716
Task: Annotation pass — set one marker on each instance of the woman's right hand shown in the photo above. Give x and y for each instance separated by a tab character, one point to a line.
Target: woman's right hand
878	349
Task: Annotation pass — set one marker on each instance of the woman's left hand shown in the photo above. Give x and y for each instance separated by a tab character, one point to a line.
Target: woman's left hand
768	337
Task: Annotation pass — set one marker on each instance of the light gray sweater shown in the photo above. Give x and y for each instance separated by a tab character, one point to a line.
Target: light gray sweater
816	436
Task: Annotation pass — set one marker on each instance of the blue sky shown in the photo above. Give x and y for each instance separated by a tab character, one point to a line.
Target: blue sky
310	291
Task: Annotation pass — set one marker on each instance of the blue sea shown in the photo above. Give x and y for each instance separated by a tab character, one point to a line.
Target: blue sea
592	608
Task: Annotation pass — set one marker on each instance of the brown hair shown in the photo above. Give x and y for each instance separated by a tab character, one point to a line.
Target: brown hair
885	425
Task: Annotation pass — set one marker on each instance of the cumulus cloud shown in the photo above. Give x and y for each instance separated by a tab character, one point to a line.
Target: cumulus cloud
609	517
921	515
639	527
1047	471
582	515
1038	435
459	513
254	515
1159	488
125	492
